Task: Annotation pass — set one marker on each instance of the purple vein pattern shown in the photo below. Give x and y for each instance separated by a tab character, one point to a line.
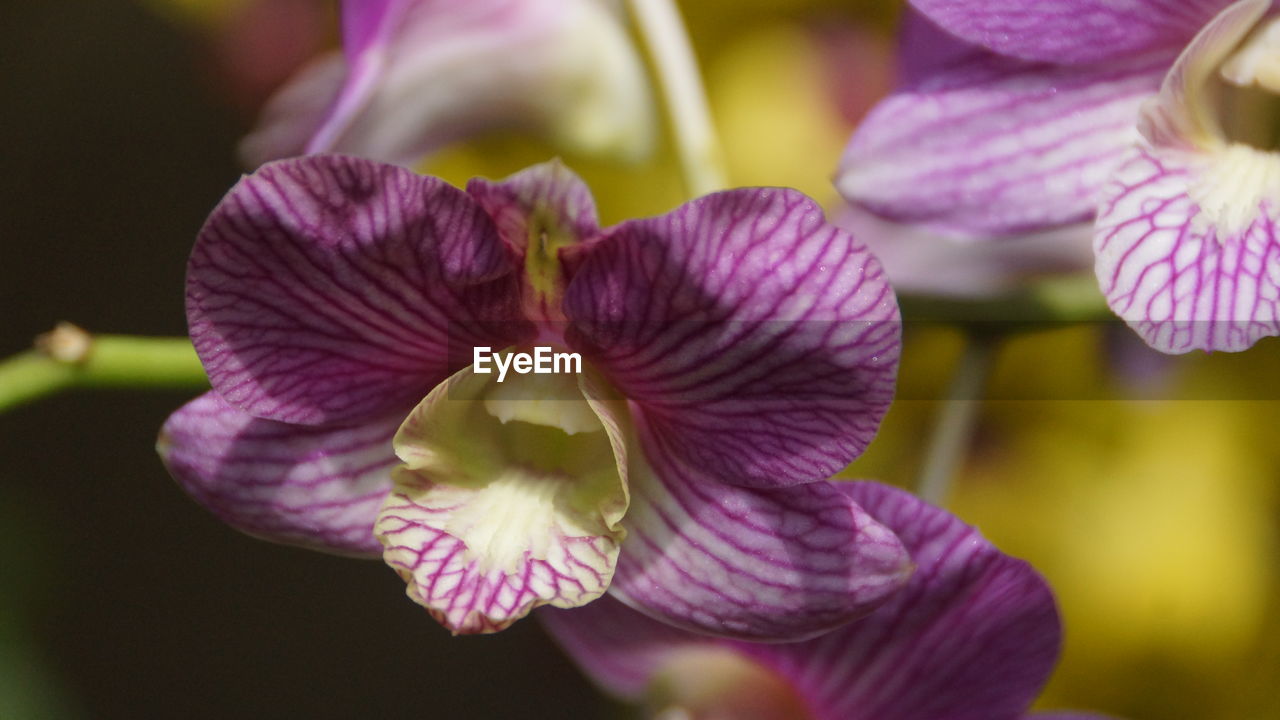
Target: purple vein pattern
742	349
973	635
756	341
1181	284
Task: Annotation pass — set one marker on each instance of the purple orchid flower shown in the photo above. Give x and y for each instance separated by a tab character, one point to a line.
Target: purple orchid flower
1154	116
733	354
415	75
973	636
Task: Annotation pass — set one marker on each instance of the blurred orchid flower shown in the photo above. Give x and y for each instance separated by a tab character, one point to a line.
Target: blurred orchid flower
922	261
973	636
415	75
738	351
1027	116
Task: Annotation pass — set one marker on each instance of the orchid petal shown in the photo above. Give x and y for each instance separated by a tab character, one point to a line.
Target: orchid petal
993	146
1180	281
754	339
972	636
484	530
423	74
1072	31
330	289
315	487
923	262
759	564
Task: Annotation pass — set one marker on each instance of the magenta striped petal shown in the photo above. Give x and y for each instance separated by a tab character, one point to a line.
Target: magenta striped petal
330	289
544	199
972	636
755	340
1072	31
1178	281
315	487
993	146
750	563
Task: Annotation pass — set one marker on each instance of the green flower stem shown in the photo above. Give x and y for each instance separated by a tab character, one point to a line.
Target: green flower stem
70	358
675	68
957	419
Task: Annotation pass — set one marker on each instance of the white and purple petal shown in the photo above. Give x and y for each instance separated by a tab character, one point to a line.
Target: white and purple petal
315	487
328	289
1072	31
1176	279
771	565
972	636
419	74
991	146
755	340
510	498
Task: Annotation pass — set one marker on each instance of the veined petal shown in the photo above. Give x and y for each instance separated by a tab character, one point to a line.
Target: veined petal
315	487
1179	280
759	564
498	509
329	289
1072	31
972	636
754	339
994	146
423	73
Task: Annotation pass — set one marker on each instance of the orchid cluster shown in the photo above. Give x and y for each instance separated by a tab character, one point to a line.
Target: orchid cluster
668	506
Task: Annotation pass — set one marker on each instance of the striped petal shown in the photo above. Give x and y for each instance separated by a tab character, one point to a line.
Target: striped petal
421	74
992	146
510	498
754	339
1177	280
331	289
318	488
1186	241
972	636
1072	31
749	563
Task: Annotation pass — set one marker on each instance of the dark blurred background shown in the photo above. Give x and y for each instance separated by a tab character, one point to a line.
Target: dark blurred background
119	597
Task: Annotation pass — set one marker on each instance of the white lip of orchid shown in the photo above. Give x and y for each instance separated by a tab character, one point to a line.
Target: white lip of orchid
510	496
1240	103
